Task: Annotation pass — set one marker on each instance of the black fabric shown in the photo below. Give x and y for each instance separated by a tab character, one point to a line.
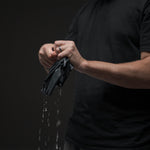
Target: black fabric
105	116
70	146
57	75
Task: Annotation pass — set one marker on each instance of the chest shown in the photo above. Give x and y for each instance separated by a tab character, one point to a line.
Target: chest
116	19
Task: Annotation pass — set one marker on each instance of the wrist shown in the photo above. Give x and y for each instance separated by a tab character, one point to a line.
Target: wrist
83	65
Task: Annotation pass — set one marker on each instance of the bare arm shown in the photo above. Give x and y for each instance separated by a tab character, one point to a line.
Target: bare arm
134	74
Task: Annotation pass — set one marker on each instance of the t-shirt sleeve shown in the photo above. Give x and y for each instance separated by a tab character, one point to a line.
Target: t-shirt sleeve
145	28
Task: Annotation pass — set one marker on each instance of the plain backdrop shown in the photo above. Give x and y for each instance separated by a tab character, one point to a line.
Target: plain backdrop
25	26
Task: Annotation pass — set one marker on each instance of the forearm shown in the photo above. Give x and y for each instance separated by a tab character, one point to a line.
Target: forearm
134	74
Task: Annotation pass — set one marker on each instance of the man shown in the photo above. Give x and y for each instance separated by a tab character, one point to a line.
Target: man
109	46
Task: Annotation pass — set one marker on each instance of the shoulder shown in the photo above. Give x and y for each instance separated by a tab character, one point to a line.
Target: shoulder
145	9
145	4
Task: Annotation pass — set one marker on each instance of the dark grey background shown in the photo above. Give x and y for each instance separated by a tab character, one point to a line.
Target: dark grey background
25	26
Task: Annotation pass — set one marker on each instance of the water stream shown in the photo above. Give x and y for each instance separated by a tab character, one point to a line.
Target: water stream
43	133
58	122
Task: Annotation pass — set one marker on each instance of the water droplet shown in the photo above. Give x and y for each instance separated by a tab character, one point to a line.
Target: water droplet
58	111
40	131
45	143
58	123
45	109
43	115
39	148
57	147
57	137
39	138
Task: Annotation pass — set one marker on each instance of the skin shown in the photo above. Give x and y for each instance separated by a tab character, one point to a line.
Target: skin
134	75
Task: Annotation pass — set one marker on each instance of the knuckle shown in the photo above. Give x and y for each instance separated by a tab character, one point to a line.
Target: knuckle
41	52
44	46
51	45
55	42
72	42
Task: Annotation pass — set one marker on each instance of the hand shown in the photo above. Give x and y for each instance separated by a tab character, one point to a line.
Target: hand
47	56
69	50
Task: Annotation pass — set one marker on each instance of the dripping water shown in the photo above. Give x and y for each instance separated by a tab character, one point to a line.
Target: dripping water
43	133
58	120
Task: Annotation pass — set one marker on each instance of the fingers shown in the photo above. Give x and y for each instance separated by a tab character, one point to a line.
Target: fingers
47	56
65	53
50	53
67	48
44	63
60	43
47	60
50	56
63	47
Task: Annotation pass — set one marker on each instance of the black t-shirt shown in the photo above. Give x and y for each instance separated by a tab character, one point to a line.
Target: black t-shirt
106	116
